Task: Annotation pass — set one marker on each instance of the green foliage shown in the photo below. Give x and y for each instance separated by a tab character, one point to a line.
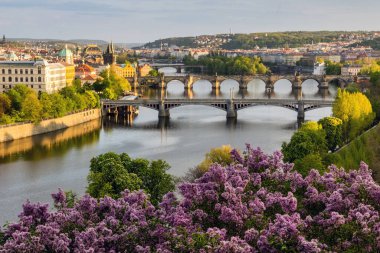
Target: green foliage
111	86
374	44
333	68
364	148
5	105
223	65
22	104
310	161
31	108
304	142
110	174
154	72
355	111
334	131
220	155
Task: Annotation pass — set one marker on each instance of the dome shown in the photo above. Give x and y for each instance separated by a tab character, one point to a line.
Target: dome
65	52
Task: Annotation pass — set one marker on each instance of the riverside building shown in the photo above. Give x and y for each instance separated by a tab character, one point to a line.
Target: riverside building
38	75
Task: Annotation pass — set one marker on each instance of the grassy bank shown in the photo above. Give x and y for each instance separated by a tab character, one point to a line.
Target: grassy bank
364	148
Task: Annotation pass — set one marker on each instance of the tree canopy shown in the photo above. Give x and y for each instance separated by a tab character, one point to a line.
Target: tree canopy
110	174
22	103
355	111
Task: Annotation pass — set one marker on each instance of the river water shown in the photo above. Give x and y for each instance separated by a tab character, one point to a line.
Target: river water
32	168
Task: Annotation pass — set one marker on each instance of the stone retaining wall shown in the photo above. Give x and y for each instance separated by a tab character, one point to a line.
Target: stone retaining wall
13	132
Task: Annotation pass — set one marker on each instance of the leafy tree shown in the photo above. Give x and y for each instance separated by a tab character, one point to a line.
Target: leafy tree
303	143
108	177
31	108
333	68
154	72
5	104
334	131
111	85
110	174
355	111
220	155
309	162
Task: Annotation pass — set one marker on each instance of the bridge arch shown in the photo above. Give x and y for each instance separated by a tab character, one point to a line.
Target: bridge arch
340	82
200	84
216	106
229	83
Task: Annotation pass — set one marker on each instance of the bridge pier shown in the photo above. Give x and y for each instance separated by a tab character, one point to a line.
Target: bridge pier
301	111
231	111
323	85
189	82
216	83
269	86
162	111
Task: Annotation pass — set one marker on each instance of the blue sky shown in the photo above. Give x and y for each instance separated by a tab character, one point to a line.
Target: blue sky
147	20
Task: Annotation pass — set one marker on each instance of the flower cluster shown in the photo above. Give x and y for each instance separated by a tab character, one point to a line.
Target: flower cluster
255	204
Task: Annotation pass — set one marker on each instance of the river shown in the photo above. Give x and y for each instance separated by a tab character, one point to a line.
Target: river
32	168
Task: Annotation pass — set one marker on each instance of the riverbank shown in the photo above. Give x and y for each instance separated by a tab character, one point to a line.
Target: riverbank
365	148
19	131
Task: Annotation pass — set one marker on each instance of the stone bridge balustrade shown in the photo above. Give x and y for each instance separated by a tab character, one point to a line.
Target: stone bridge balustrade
230	106
243	80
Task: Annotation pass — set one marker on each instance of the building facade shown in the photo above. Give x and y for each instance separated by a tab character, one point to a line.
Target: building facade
144	70
109	56
38	75
352	70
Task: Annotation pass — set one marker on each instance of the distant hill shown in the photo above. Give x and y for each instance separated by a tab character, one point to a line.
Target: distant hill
374	44
251	40
74	41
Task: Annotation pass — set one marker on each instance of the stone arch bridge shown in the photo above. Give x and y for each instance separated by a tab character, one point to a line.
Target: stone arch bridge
269	80
230	106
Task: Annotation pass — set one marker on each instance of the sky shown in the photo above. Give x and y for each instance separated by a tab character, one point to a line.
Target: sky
142	21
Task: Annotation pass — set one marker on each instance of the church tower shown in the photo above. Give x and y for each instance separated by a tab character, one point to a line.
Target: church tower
109	56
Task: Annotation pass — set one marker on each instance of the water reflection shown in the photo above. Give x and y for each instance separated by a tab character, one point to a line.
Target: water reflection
56	143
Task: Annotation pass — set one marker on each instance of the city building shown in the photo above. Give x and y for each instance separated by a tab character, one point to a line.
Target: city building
319	69
350	70
38	75
93	55
66	55
109	56
70	73
144	70
125	70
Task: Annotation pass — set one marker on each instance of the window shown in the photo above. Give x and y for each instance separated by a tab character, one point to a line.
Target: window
39	70
9	71
4	79
10	86
21	79
16	79
9	79
16	71
39	79
31	71
26	79
3	71
32	79
26	71
21	72
31	86
39	86
3	86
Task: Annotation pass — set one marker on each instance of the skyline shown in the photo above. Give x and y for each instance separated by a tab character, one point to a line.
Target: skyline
146	20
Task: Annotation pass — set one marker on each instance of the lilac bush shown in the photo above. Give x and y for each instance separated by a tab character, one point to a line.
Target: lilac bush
258	203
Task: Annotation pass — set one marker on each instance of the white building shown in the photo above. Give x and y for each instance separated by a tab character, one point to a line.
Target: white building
38	75
319	69
350	70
